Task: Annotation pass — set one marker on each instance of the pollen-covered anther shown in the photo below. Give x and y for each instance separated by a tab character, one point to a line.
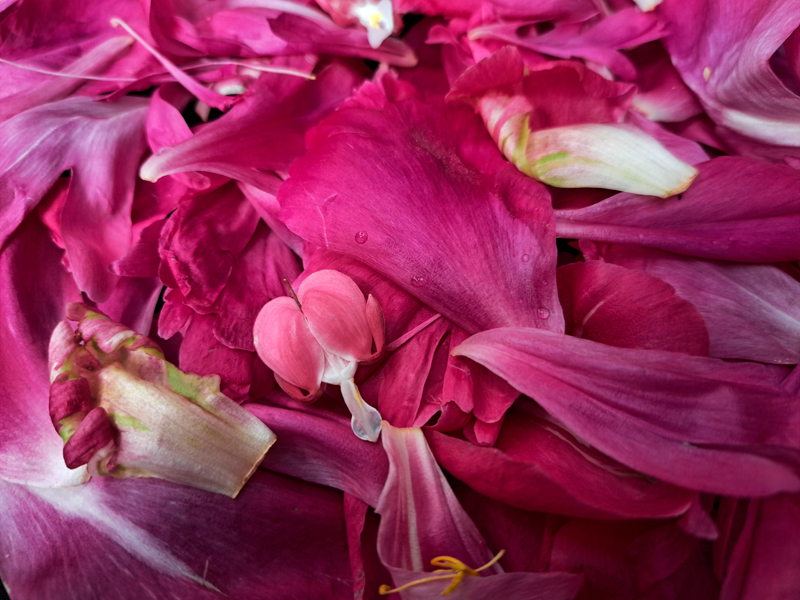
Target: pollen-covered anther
456	571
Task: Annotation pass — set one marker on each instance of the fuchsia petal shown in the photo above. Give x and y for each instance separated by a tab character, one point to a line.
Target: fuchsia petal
448	184
257	276
751	311
285	343
628	309
264	132
102	144
147	538
422	519
738	88
320	447
336	313
200	241
696	422
737	209
764	560
600	43
537	465
69	396
93	434
31	308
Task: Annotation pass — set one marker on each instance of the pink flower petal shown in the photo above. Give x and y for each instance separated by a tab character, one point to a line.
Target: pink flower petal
695	422
437	185
538	465
737	209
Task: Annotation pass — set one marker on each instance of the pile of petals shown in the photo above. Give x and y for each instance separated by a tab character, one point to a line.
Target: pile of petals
417	298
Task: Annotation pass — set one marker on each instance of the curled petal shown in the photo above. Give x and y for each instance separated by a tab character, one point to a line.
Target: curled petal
609	156
93	434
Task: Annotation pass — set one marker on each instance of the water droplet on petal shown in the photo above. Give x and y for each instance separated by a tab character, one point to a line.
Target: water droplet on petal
542	313
526	258
361	237
418	281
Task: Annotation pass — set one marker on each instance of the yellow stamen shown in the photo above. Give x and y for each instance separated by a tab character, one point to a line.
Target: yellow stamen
458	571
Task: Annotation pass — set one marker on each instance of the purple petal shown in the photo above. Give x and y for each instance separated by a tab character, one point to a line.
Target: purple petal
696	422
422	519
174	540
737	209
751	311
102	145
628	309
31	309
535	453
448	184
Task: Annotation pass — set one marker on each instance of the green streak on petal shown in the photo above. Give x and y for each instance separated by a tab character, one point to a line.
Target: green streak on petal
126	422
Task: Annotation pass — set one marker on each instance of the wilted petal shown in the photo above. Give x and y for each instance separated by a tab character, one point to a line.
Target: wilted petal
737	209
696	422
150	419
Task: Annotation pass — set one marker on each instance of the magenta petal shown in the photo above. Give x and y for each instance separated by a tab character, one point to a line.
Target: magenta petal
480	227
628	309
764	560
737	209
696	422
422	519
537	465
129	540
200	242
751	311
285	343
31	308
738	88
321	448
102	144
69	396
93	434
263	132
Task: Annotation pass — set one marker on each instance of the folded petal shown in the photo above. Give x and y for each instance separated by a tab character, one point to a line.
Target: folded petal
263	132
750	311
628	309
737	209
696	422
469	257
737	88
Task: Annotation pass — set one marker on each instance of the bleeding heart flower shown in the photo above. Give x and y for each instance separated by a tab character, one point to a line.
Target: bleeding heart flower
122	410
319	336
